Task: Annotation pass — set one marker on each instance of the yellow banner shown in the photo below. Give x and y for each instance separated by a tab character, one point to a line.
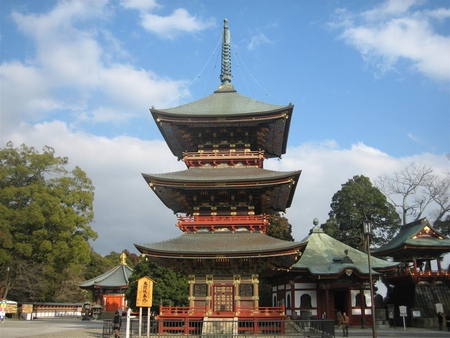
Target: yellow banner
144	297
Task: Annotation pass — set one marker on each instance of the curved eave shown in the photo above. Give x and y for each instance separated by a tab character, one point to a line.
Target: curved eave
282	184
416	246
223	176
224	103
326	256
167	119
218	245
116	277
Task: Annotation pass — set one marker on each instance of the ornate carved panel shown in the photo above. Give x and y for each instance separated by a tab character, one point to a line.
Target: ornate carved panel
200	290
246	290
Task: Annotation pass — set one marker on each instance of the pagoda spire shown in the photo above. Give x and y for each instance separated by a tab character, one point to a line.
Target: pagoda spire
225	73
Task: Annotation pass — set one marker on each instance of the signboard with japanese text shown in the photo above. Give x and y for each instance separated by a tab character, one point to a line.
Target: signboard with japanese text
144	296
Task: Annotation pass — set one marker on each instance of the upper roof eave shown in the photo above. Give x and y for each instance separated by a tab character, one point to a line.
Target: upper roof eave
222	104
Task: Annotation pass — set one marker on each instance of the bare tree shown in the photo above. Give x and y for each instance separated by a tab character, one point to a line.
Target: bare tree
416	189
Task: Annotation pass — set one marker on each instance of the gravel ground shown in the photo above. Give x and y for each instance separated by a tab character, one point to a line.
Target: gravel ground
82	333
52	328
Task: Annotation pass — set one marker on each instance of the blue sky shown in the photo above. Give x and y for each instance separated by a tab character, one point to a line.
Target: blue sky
370	81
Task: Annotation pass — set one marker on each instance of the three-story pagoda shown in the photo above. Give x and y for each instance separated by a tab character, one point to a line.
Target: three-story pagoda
224	198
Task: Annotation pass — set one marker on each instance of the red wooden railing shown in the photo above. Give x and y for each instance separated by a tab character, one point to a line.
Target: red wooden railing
195	223
182	319
200	311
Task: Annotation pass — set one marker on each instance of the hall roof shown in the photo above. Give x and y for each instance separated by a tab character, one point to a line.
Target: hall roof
227	244
117	277
417	238
326	256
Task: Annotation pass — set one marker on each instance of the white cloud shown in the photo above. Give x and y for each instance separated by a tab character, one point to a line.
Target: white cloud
127	211
257	40
72	71
180	21
394	32
141	5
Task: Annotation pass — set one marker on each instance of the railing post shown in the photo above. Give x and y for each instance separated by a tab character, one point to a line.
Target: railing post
186	325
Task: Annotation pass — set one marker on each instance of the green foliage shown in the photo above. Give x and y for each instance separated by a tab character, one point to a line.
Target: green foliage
170	287
358	200
443	226
45	212
279	227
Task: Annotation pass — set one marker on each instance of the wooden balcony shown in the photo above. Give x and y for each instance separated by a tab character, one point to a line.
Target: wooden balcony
213	223
215	158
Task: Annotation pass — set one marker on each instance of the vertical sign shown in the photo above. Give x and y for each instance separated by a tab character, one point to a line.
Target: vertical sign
144	297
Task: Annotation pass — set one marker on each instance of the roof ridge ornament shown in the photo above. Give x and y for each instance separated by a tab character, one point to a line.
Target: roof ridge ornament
225	71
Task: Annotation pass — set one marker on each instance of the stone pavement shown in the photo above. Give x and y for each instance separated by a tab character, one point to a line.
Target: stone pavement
76	328
410	332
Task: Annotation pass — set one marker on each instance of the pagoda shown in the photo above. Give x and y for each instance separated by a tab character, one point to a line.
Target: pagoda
421	284
224	198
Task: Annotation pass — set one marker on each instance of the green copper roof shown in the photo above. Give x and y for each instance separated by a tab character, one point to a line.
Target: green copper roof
117	277
222	174
228	244
405	239
325	255
222	103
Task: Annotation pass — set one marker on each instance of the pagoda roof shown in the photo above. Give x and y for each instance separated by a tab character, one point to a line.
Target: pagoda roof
225	108
414	238
223	175
182	183
226	244
117	277
326	256
223	103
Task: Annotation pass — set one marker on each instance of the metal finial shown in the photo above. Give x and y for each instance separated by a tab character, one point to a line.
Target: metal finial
316	221
225	73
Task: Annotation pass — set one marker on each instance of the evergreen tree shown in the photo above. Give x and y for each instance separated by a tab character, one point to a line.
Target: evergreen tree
359	200
45	212
170	287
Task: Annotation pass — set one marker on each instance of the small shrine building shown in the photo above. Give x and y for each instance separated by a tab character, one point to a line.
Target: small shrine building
109	288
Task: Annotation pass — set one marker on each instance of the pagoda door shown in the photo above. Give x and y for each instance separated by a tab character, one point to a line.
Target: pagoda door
223	299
